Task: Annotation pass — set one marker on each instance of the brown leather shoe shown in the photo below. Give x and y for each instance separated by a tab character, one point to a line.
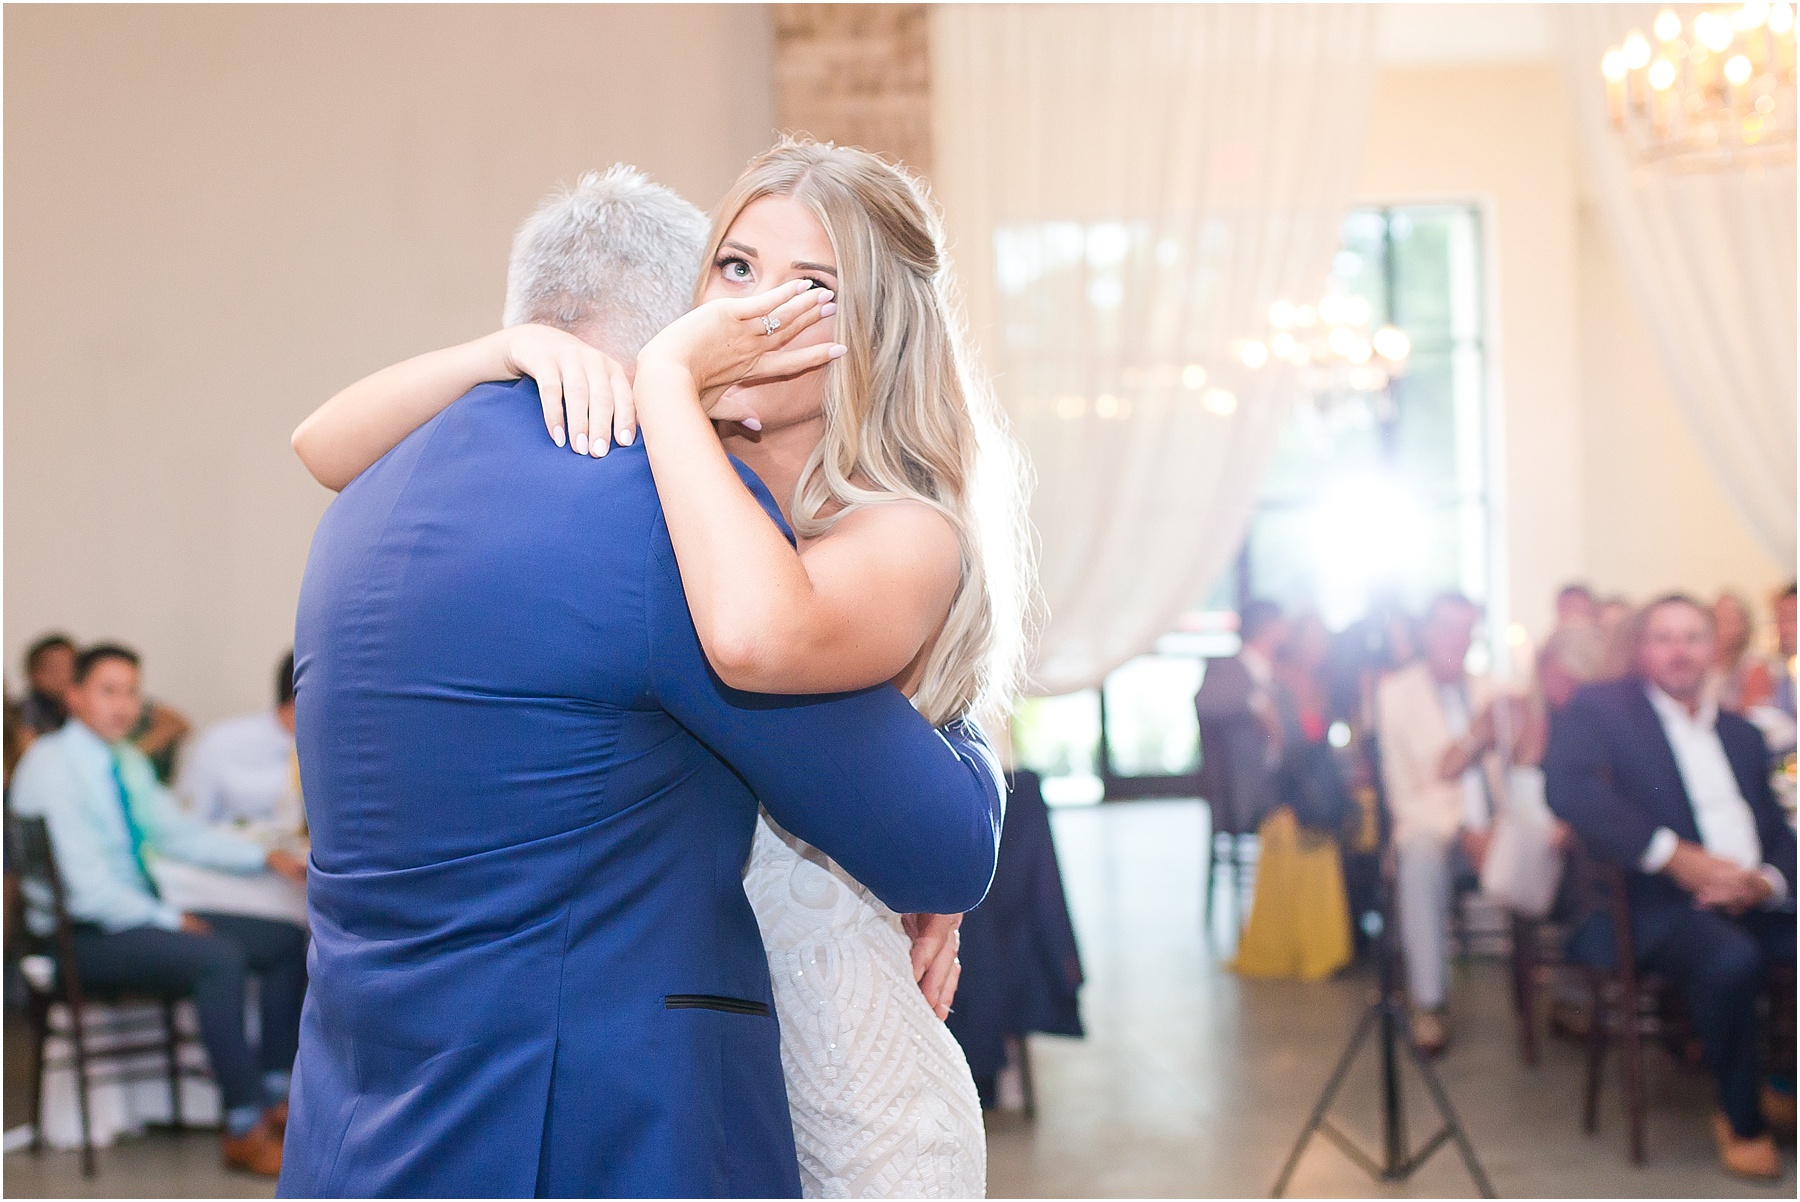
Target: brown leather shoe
1778	1112
258	1150
1755	1158
276	1117
1431	1031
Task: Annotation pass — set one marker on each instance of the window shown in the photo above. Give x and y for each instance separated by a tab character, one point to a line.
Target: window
1368	497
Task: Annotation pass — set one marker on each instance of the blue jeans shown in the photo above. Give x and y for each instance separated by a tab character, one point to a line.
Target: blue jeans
1721	964
212	969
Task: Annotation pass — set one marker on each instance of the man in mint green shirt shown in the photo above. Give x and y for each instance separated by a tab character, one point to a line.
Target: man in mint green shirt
108	816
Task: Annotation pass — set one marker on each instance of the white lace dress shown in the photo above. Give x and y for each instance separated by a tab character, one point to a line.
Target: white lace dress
882	1099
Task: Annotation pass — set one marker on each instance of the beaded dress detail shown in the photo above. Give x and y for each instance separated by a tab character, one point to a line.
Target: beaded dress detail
882	1099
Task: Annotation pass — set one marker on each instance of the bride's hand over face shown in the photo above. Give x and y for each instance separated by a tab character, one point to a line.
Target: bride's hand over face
743	340
584	392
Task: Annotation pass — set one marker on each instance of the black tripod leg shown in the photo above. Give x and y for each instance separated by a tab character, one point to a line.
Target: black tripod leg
1451	1123
1325	1099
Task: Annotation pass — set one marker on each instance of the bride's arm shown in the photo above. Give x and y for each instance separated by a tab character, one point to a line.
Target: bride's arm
853	611
576	384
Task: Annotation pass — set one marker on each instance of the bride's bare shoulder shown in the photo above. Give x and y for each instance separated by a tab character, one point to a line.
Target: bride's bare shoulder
903	527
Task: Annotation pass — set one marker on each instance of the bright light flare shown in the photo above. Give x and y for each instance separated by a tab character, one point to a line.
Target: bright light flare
1368	533
1219	401
1392	344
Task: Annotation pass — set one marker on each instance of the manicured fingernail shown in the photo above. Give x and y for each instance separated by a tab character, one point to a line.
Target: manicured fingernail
827	310
838	351
825	294
581	444
601	447
558	437
801	286
751	424
626	437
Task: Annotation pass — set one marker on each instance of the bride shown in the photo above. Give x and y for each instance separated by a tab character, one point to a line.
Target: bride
899	575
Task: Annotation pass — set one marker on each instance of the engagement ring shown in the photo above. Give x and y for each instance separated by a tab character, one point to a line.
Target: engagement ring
771	324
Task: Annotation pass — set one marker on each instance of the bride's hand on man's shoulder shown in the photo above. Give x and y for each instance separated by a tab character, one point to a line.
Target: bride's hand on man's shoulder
585	394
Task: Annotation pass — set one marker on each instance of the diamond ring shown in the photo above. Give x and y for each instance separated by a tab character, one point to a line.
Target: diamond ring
770	324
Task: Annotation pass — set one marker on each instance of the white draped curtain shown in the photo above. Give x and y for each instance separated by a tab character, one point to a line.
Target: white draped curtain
1710	260
1127	190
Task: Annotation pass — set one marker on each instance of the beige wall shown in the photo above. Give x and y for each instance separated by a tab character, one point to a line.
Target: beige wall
217	216
1601	478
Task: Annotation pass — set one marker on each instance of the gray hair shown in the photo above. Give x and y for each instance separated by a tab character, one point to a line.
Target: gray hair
614	258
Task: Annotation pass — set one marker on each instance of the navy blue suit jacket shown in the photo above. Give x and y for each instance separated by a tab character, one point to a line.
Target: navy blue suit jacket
1611	774
534	969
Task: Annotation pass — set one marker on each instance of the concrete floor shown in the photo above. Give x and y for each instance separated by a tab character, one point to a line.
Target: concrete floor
1191	1082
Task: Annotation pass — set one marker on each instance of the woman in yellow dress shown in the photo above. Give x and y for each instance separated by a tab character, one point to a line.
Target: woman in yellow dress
1300	919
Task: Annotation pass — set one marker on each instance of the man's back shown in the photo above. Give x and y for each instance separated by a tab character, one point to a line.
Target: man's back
513	845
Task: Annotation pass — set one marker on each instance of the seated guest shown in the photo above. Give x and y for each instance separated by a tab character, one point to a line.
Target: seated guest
1436	730
1656	779
1576	607
107	817
1300	918
49	671
1738	679
1782	666
158	732
243	769
1238	723
1570	658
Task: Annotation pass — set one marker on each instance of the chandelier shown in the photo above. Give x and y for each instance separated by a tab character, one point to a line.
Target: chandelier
1711	91
1333	352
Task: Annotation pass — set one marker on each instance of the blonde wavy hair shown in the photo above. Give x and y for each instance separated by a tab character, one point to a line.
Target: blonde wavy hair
907	413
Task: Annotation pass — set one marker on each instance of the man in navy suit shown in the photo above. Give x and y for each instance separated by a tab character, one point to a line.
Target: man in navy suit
534	969
1655	778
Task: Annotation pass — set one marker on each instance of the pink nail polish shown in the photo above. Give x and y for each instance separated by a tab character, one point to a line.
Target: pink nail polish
751	424
581	444
558	437
827	310
838	351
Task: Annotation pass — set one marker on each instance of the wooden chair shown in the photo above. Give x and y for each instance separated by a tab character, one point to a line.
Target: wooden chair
61	985
1625	1006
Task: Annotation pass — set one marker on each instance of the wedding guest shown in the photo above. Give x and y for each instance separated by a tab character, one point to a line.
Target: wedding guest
1737	680
1618	639
1300	917
244	769
1781	669
158	733
1437	732
49	671
108	818
1237	724
1655	778
19	736
1576	606
1569	658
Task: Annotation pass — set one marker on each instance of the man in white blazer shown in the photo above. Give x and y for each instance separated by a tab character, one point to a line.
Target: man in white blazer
1436	726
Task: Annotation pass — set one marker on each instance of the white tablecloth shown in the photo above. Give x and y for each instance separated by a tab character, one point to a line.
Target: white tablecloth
261	895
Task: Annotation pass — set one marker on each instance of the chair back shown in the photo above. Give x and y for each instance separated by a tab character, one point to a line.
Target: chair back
41	886
1601	892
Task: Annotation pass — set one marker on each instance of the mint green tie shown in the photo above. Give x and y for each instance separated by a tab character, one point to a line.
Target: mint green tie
132	829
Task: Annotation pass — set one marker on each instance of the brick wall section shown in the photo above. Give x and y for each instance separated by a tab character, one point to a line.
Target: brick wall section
858	74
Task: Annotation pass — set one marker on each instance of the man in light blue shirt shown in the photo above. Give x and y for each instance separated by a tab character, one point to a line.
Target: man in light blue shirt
108	815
